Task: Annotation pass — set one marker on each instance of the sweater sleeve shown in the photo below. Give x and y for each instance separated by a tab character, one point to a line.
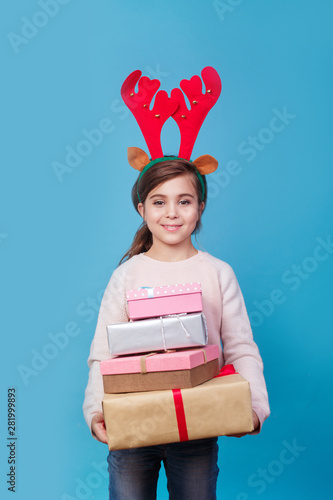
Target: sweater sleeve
238	344
112	310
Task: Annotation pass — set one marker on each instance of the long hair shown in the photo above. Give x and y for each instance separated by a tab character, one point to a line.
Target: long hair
156	175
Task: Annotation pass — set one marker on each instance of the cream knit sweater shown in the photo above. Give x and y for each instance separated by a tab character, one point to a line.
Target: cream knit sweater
223	306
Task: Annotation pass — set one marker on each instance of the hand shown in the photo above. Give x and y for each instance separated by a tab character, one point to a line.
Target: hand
256	424
98	428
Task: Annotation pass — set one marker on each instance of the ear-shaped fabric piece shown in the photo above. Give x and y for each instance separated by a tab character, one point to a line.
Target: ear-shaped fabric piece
137	158
206	164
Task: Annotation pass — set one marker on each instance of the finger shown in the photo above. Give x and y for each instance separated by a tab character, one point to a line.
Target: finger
101	434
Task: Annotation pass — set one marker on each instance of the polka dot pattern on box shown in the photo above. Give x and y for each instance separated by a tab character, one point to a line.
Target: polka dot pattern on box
164	291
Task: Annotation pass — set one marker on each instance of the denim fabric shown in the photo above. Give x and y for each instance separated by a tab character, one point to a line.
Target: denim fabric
191	470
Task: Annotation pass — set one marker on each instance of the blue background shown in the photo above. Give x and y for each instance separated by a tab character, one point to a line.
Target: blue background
60	241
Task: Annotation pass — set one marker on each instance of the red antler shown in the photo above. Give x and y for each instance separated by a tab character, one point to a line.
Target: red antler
190	121
150	121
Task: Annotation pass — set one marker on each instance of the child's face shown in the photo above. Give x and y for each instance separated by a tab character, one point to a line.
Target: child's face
171	211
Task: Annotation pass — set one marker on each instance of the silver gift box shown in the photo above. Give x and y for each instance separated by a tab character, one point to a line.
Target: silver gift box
158	334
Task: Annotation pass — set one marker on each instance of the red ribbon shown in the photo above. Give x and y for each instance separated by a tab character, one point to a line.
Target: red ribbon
180	414
226	370
179	404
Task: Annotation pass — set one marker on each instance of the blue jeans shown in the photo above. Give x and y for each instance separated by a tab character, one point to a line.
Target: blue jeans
191	470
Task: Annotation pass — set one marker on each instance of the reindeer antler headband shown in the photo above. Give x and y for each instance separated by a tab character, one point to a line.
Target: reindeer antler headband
189	121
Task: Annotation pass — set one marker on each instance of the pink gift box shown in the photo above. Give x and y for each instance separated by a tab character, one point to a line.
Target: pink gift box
152	372
176	360
151	302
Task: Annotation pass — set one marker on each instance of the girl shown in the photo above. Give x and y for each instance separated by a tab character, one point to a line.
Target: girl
170	197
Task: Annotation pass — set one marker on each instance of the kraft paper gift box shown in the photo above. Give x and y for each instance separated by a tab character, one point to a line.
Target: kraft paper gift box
221	406
158	334
152	302
156	372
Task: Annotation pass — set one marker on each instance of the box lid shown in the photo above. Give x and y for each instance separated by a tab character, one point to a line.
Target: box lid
163	291
166	361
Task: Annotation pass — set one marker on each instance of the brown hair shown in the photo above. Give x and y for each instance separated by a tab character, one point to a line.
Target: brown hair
156	175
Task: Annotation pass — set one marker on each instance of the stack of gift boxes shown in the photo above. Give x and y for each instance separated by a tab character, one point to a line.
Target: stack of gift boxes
162	383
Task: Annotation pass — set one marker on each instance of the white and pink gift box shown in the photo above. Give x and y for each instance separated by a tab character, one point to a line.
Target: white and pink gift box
152	302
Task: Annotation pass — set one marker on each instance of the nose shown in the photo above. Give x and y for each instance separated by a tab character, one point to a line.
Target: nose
172	210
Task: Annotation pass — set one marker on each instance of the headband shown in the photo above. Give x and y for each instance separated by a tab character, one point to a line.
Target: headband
189	121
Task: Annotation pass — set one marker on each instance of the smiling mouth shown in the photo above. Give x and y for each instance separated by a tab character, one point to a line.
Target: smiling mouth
170	227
